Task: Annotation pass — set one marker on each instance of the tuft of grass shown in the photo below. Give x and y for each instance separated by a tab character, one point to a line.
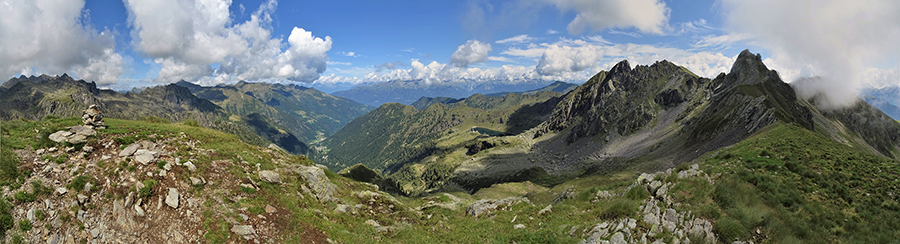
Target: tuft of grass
147	190
24	225
619	208
23	196
730	229
637	193
78	182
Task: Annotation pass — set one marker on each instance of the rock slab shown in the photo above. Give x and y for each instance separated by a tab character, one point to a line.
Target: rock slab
172	198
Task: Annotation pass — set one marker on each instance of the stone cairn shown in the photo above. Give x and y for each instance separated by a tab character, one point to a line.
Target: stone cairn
93	117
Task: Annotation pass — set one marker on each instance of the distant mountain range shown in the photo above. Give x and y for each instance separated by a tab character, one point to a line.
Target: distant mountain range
887	99
407	92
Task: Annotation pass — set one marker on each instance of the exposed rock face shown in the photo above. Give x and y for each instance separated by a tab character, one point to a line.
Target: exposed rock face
144	156
657	220
128	151
270	176
245	231
92	116
486	206
75	135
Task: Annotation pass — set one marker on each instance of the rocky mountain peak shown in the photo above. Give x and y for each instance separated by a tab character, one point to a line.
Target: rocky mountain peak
748	68
621	67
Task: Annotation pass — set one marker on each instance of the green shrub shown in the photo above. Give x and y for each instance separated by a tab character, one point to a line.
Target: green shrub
62	158
39	214
78	183
23	196
43	140
16	239
161	164
39	189
147	190
24	225
9	166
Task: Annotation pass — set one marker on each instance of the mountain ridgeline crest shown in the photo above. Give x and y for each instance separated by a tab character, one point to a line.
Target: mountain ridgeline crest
650	117
306	112
37	97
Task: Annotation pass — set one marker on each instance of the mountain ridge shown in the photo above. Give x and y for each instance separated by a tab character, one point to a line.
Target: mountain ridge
34	98
308	113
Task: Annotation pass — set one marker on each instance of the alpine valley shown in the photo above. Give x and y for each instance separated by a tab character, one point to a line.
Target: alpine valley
636	154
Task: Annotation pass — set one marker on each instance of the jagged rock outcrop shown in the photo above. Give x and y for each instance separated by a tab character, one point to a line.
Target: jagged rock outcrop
658	220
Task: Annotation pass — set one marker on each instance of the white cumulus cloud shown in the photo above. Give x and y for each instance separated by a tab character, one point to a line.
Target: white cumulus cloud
838	40
650	16
187	37
472	51
44	36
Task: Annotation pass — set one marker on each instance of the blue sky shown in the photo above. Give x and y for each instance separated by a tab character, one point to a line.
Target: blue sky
334	45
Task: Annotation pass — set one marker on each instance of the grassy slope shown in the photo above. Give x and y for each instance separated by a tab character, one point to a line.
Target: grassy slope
798	186
792	184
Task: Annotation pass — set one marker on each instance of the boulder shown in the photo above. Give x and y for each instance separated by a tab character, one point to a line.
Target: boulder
128	151
60	136
617	238
670	219
76	139
519	226
138	210
61	190
270	176
30	215
243	230
83	130
190	166
172	198
196	181
144	156
485	206
320	185
82	198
